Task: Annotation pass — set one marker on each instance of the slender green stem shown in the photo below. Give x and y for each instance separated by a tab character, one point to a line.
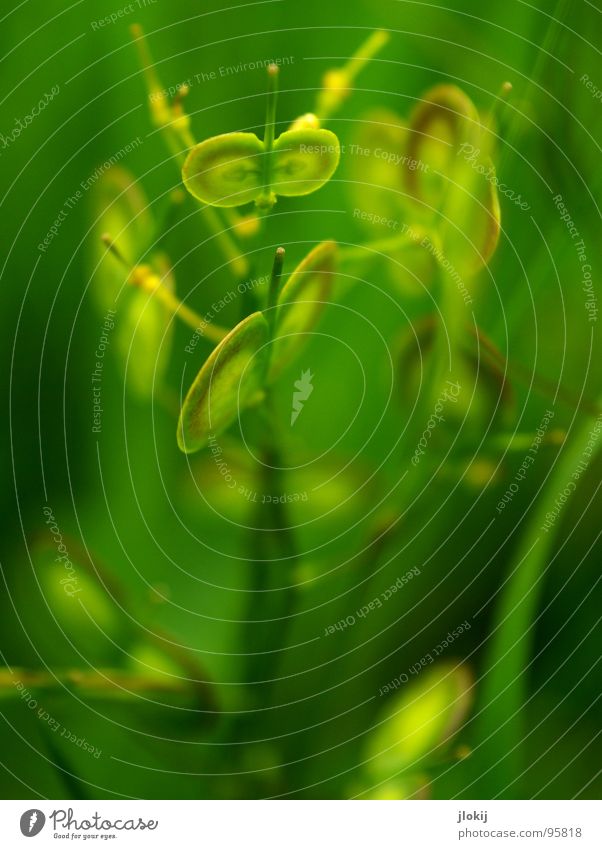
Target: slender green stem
492	120
270	117
107	683
445	354
501	724
369	250
548	49
273	291
547	388
214	332
144	277
267	198
179	139
337	82
366	51
275	558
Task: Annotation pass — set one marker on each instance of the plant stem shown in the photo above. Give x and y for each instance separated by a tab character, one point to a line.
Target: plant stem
179	139
267	198
337	82
214	332
274	555
271	310
104	683
143	277
501	725
381	246
270	117
366	51
545	387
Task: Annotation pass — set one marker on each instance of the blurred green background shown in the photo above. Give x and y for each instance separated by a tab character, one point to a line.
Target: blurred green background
157	566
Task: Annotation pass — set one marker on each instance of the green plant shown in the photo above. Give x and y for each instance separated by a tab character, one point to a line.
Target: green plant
450	226
450	215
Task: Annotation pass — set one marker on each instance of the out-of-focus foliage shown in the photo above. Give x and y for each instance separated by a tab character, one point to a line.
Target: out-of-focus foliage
178	563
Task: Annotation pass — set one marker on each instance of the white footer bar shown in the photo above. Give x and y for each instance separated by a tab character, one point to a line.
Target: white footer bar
302	824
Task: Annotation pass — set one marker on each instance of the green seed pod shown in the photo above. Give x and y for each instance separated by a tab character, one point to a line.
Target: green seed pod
119	207
471	216
301	303
256	350
225	170
444	120
303	161
144	329
420	720
236	168
231	379
455	187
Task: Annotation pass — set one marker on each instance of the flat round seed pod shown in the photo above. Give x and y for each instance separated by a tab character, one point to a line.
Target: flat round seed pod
444	120
225	170
300	304
228	382
303	161
231	169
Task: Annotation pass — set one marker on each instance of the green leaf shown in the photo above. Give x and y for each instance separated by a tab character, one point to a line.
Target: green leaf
303	161
228	382
502	717
300	304
230	169
225	170
425	715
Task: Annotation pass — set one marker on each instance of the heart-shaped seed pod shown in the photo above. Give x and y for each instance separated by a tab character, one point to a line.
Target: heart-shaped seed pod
231	379
236	168
301	303
454	187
